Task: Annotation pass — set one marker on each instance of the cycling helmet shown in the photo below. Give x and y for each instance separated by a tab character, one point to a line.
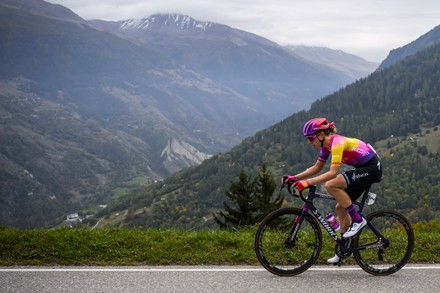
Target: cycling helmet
316	125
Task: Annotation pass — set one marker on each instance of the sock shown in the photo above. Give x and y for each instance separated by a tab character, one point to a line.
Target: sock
355	216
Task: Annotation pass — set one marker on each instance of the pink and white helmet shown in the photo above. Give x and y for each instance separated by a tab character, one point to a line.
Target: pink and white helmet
316	125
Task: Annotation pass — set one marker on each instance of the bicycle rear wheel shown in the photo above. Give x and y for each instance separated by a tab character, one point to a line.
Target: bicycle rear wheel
388	252
284	259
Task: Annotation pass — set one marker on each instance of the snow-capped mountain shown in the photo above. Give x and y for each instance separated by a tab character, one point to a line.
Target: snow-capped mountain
86	106
159	22
264	73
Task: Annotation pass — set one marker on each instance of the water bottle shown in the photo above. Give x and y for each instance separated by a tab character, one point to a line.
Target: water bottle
332	220
371	198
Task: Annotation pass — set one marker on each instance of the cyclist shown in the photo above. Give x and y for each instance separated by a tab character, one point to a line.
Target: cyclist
345	186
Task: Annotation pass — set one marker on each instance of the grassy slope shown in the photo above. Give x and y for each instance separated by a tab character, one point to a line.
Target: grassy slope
161	247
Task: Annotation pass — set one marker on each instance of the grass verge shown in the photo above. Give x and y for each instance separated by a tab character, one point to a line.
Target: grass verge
105	247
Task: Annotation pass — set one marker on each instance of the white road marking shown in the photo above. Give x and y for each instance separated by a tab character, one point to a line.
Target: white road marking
189	269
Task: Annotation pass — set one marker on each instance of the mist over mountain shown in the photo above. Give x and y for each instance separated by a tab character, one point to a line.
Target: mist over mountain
352	65
256	68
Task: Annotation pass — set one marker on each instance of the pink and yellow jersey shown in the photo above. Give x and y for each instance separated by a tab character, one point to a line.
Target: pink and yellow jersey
350	151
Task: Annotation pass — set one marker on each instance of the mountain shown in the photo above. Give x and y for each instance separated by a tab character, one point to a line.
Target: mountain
430	38
396	109
86	111
350	64
42	8
254	67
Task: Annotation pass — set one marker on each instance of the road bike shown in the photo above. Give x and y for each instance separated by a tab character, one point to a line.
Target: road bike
288	240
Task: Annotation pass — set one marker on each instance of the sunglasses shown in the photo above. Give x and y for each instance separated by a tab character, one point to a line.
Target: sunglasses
312	137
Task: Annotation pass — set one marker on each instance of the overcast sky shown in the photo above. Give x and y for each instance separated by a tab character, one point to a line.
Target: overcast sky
367	28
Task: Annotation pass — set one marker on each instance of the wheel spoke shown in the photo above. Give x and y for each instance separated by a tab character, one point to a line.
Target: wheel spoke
384	256
296	256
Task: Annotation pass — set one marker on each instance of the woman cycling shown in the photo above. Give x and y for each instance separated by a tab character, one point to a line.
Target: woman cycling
346	186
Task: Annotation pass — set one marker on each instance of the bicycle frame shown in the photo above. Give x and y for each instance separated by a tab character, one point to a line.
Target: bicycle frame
288	240
309	207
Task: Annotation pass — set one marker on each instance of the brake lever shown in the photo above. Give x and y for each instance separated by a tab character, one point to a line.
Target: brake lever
289	187
283	182
292	191
282	186
311	188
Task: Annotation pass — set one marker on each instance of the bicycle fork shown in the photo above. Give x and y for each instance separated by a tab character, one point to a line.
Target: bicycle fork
291	238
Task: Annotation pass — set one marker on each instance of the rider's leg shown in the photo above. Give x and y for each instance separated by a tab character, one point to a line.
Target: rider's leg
344	222
343	217
336	187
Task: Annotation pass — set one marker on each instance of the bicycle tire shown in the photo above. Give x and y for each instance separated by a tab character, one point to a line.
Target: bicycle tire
270	246
392	254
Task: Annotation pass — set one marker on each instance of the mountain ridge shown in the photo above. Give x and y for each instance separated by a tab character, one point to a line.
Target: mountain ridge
423	42
84	110
232	54
182	22
43	8
352	65
385	107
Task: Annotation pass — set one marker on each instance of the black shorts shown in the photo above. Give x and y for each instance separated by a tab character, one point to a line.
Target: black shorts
362	177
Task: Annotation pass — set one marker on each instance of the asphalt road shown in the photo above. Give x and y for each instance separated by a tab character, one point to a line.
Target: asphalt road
412	278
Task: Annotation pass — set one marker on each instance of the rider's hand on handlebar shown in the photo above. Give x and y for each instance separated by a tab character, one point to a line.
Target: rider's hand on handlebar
301	185
289	179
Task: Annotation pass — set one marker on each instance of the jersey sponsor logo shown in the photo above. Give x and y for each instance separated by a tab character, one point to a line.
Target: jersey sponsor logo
357	176
361	151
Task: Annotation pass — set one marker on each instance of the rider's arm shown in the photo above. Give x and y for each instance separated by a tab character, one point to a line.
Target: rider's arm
330	174
315	169
337	154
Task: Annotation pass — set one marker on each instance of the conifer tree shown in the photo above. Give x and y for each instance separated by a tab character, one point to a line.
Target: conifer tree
240	194
264	191
251	200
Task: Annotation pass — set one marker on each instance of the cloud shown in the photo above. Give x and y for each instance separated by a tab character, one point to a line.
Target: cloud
369	29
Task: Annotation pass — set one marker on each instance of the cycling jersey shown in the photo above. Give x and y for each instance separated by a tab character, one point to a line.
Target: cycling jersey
350	151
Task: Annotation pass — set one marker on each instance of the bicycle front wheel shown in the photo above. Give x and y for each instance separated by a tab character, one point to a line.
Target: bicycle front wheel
387	243
279	255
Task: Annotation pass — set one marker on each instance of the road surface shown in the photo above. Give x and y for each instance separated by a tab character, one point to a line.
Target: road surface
412	278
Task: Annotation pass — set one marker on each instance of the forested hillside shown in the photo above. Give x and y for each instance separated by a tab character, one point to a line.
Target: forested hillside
397	109
84	111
